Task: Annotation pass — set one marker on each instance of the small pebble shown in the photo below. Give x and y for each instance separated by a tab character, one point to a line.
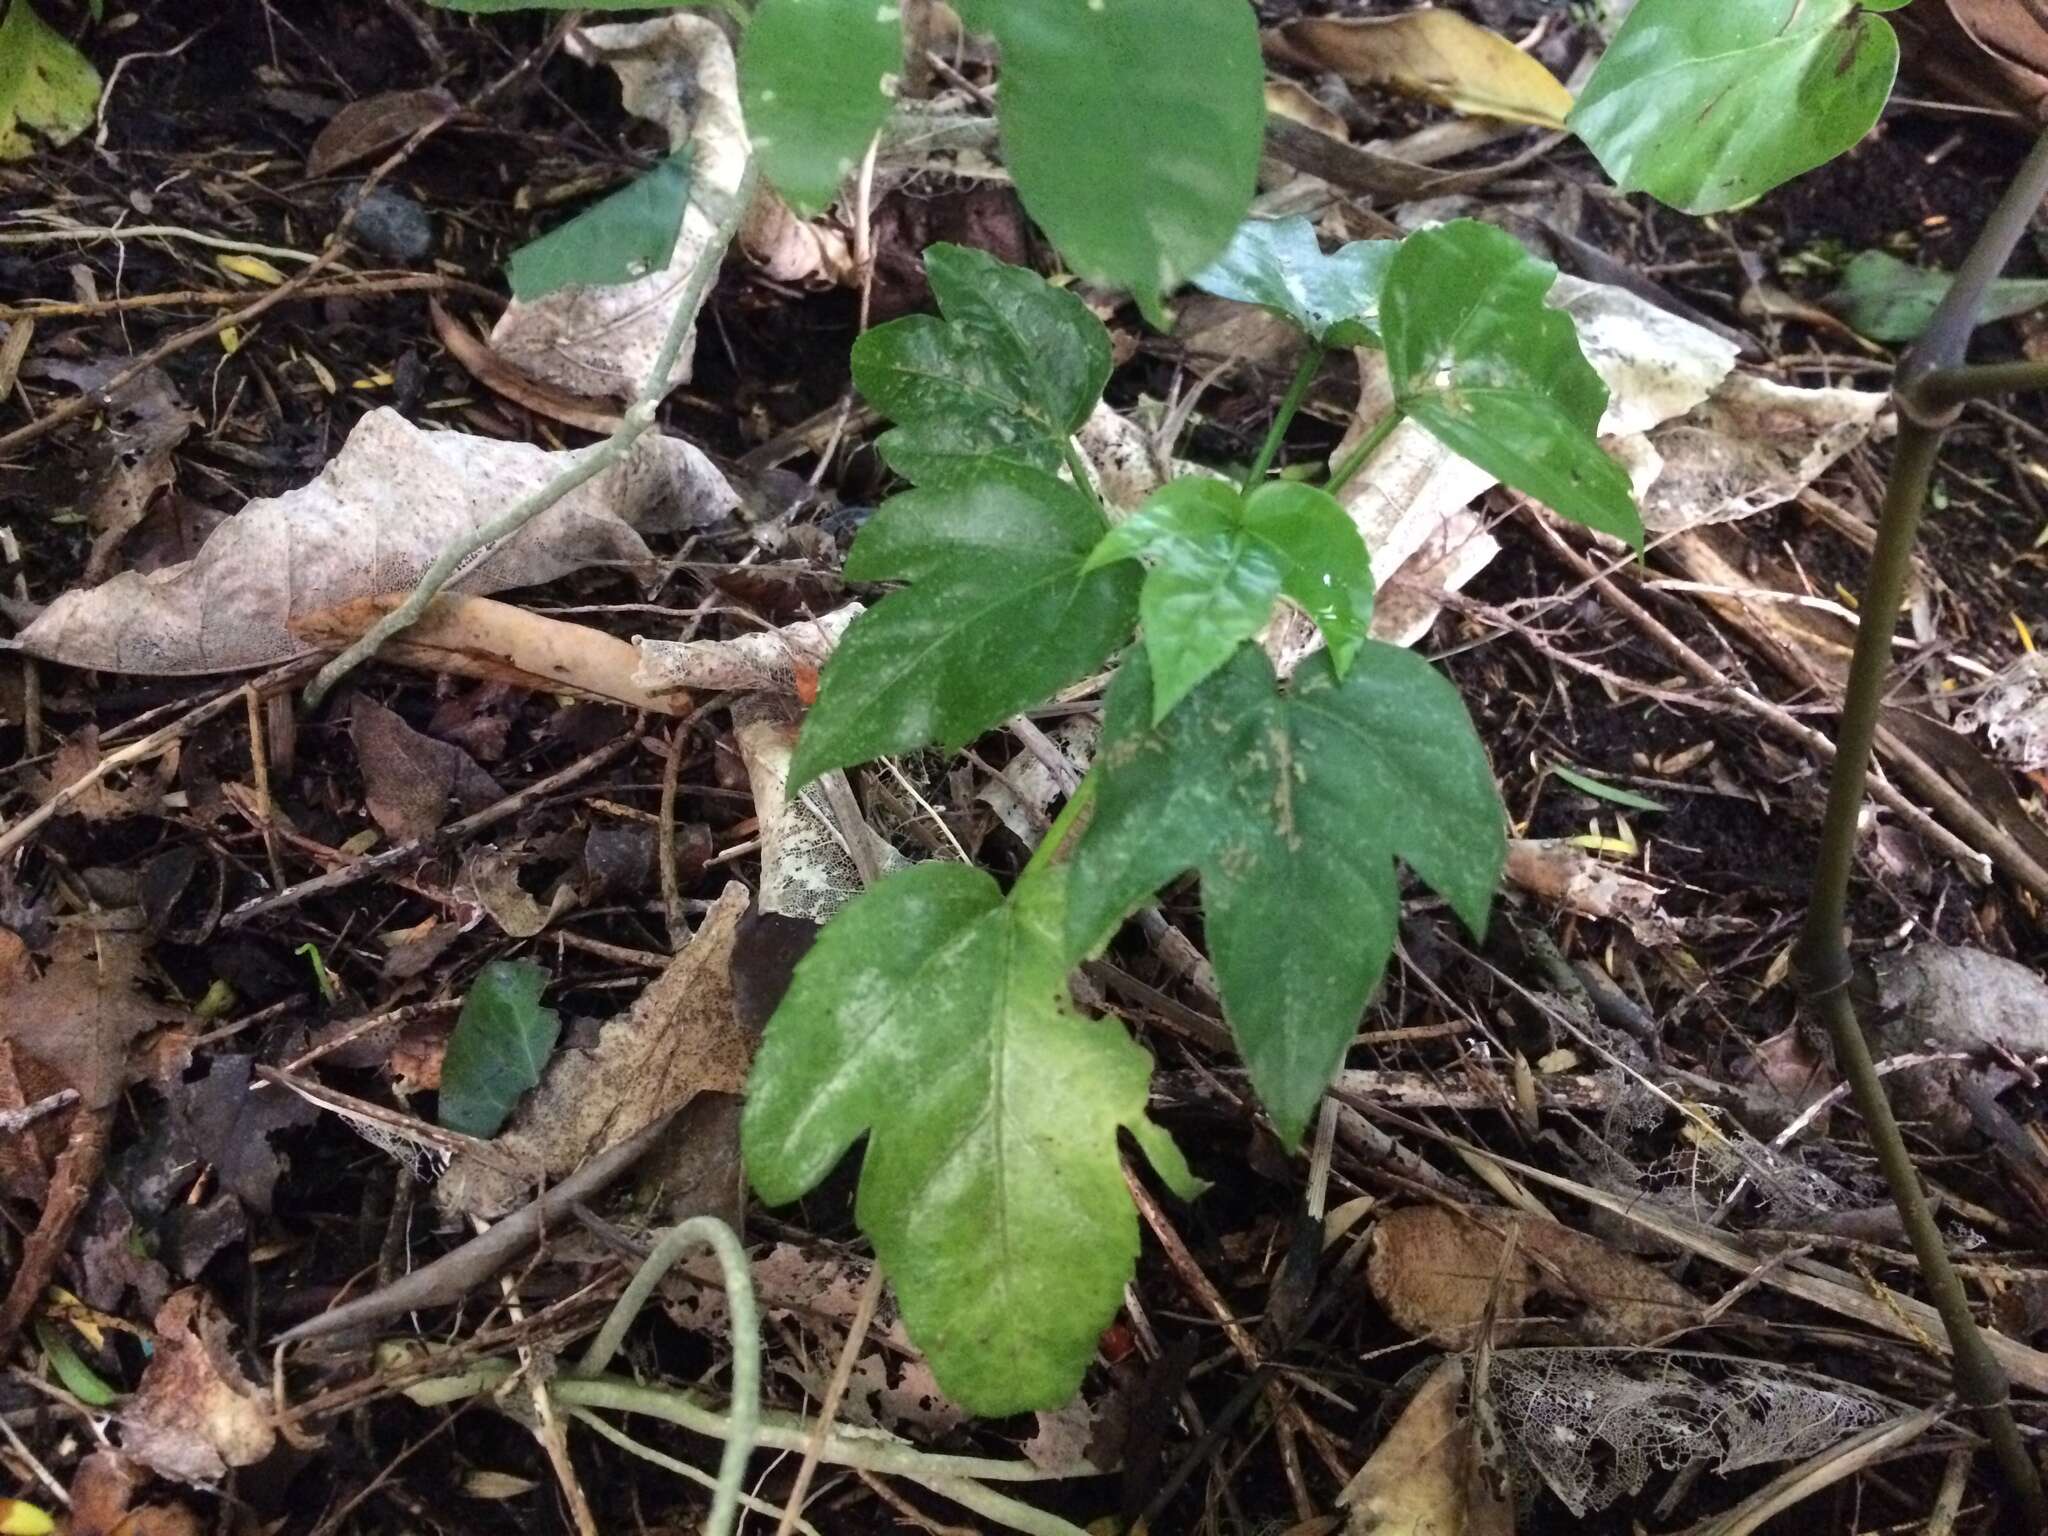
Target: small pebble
392	224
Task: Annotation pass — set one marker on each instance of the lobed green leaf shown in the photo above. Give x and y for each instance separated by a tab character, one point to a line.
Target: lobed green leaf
1133	129
932	1016
1293	805
1496	375
814	76
1218	561
1001	613
1009	374
1705	106
1279	265
626	236
500	1046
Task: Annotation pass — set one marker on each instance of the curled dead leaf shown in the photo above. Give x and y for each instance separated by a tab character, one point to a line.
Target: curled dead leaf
195	1414
1437	55
374	124
1442	1274
1427	1478
371	522
484	365
1578	880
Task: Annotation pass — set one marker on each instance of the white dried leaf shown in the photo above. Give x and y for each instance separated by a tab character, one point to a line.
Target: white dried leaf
371	522
2012	712
763	661
809	866
1023	793
677	71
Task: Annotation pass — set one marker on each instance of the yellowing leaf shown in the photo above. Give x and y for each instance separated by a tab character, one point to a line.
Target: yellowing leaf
254	268
1426	1476
231	339
1439	56
45	84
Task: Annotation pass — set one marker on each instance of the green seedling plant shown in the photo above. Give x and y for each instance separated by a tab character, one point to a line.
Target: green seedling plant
933	1016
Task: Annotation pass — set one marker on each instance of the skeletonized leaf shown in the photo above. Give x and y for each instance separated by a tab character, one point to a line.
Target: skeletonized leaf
1497	376
932	1017
619	240
1279	265
1293	806
1009	374
1707	106
1133	129
1001	613
1888	299
1440	56
501	1042
1218	561
812	76
371	522
45	84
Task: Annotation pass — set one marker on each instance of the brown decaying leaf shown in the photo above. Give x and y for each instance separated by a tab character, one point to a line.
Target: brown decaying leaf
1435	1270
81	1018
411	782
490	879
1578	880
498	642
680	1039
1284	98
521	388
132	462
1990	53
195	1414
1426	1478
77	758
814	252
376	123
371	522
230	1125
1437	55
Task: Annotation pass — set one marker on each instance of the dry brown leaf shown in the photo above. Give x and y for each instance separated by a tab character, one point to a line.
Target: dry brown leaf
766	661
364	128
490	880
1438	55
813	252
411	782
102	800
81	1018
132	460
370	523
501	377
1426	1478
2014	44
195	1414
677	71
1938	997
680	1039
497	642
1436	1270
1285	98
1581	881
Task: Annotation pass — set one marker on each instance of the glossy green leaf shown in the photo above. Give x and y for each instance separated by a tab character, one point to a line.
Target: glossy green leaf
932	1016
999	616
1705	106
1496	375
79	1379
1132	127
812	72
1293	805
1887	299
1279	265
626	236
1218	561
501	1042
1009	373
45	84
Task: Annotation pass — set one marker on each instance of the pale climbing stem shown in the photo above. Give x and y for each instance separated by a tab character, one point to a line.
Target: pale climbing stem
639	416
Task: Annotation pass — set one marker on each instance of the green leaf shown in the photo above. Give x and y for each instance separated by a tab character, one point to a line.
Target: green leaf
80	1379
501	1042
1600	789
45	84
1496	375
1218	561
812	72
1132	127
1010	373
500	7
1000	615
932	1016
628	235
1293	805
1887	299
1705	106
1279	265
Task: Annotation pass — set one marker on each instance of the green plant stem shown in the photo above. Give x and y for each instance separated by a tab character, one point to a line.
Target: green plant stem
1078	468
1059	837
744	1423
1355	460
1929	389
1297	391
683	1469
639	416
1948	387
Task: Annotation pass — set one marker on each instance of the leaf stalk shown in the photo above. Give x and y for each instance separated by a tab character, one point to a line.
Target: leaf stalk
1297	391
